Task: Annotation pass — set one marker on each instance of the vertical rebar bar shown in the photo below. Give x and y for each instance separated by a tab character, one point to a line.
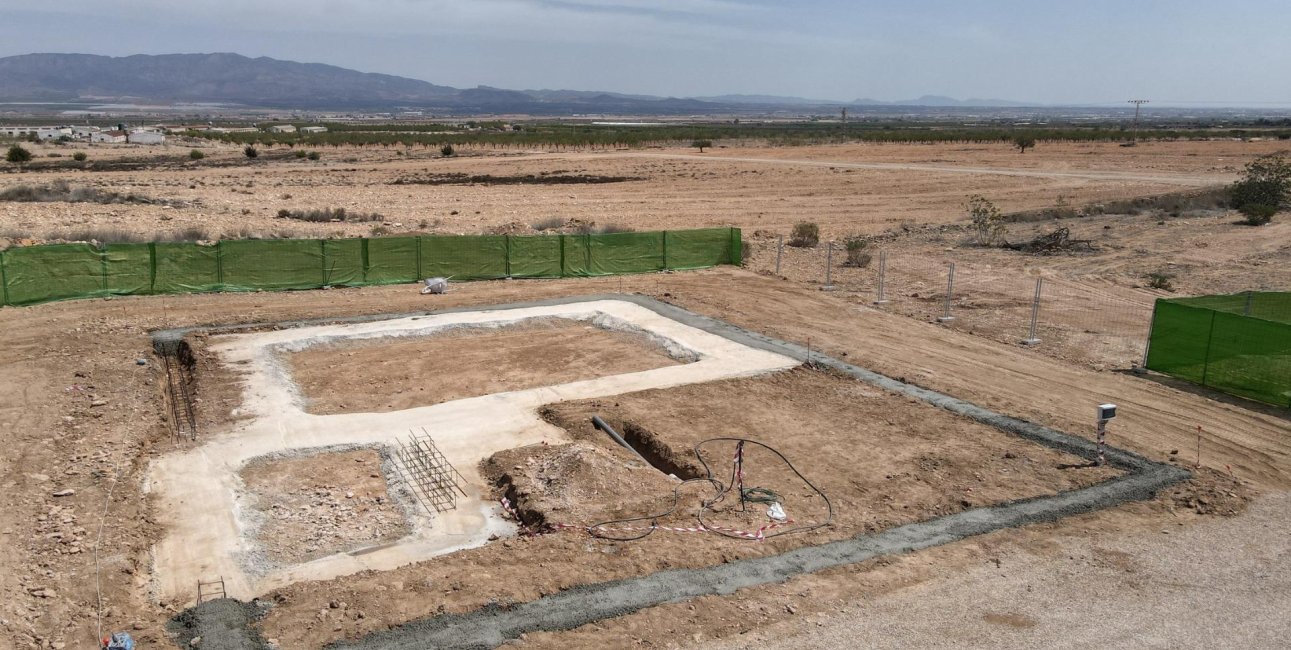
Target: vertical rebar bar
779	252
950	293
1035	313
883	271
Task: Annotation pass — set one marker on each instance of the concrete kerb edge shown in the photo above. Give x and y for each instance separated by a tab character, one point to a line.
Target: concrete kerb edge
490	626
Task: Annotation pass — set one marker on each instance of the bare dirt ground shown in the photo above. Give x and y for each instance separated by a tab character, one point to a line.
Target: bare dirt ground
879	469
84	416
752	187
359	377
317	505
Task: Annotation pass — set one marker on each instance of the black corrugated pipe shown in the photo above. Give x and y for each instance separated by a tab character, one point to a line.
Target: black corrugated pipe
600	424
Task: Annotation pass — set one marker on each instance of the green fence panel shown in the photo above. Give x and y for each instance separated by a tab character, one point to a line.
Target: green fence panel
472	257
1250	357
627	252
575	255
55	272
392	260
536	256
185	267
129	268
271	264
699	249
1179	338
342	262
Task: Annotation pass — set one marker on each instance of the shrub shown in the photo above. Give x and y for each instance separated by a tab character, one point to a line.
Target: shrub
1257	214
17	155
858	255
196	155
447	150
1161	280
299	153
80	156
1264	189
328	215
551	223
313	155
250	152
988	223
805	235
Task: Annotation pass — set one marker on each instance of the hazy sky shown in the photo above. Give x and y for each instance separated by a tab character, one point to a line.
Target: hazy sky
1075	51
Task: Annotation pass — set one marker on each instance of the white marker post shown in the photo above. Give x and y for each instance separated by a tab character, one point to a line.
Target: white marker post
1105	413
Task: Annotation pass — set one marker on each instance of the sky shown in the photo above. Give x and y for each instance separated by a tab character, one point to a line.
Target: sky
1181	52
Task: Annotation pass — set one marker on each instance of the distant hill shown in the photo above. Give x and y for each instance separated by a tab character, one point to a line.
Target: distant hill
944	102
264	82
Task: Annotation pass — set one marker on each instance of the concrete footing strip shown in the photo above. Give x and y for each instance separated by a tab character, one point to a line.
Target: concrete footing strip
491	626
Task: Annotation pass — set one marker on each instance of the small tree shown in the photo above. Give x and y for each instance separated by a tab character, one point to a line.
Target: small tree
701	144
1264	189
447	151
313	155
17	155
80	156
250	152
196	155
1024	142
805	235
988	223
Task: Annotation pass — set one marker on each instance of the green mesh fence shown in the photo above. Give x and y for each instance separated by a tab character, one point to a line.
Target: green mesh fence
1239	343
36	274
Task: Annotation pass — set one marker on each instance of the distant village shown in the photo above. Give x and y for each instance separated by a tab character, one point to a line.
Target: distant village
136	135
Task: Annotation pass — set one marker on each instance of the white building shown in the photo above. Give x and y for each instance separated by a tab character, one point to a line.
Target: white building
53	133
282	128
146	137
111	137
85	131
313	129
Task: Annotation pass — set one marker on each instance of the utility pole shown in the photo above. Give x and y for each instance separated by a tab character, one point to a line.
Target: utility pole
1138	103
844	117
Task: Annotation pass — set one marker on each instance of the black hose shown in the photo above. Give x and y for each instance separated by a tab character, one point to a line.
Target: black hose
720	491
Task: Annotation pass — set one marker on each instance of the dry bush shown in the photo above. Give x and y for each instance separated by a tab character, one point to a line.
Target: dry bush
551	223
858	254
61	191
327	215
805	234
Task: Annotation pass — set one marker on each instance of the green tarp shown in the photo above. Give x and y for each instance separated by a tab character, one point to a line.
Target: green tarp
1209	340
42	273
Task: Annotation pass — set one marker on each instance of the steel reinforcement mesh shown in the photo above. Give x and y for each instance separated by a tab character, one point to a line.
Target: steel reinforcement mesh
1239	344
36	274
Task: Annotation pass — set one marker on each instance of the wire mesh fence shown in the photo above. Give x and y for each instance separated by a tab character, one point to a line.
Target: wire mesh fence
1087	320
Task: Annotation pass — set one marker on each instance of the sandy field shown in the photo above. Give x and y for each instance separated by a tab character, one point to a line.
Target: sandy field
86	417
847	189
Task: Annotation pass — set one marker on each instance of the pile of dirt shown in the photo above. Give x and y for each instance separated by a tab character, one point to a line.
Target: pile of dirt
326	503
221	624
575	483
1210	493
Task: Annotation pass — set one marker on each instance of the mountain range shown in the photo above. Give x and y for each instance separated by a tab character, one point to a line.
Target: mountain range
226	78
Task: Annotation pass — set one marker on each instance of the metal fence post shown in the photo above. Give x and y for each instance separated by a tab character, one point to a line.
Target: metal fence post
1249	296
883	270
779	251
1147	346
1035	313
829	267
950	293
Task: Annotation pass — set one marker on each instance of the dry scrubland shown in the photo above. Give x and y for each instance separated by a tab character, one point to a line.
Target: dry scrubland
85	417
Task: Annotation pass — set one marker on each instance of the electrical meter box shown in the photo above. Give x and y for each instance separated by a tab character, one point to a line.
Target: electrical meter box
1106	411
